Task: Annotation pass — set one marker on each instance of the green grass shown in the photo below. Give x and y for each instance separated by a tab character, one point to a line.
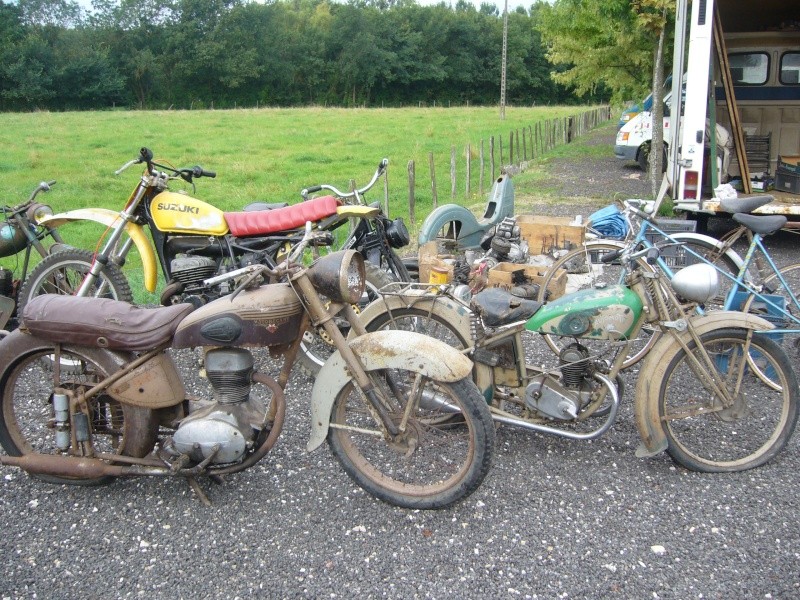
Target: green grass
264	154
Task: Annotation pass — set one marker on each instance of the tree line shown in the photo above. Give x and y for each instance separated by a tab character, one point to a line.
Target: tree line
55	55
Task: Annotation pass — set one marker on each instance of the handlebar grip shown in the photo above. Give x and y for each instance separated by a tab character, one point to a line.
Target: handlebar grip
611	256
313	188
145	155
383	164
198	171
652	256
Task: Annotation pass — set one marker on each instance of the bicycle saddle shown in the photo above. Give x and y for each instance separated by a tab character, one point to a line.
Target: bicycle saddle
744	204
762	224
498	307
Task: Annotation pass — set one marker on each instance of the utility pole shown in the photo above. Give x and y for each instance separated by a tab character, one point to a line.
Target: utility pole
503	64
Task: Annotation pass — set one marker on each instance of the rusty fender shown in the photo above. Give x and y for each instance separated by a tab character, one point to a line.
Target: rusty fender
647	397
382	350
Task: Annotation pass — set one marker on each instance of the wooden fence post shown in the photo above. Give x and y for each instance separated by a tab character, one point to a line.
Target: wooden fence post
502	162
452	171
510	147
524	144
516	142
433	180
386	192
491	155
469	169
411	199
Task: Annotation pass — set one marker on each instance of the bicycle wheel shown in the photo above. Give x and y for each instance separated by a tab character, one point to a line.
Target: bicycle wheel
435	461
707	433
28	378
585	270
784	313
317	346
64	271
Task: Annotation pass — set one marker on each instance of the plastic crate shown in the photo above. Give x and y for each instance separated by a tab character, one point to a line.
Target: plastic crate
672	254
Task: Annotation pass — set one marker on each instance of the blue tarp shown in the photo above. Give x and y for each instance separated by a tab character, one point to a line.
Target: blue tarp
609	222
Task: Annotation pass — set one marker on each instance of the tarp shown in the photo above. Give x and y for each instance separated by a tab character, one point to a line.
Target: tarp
609	222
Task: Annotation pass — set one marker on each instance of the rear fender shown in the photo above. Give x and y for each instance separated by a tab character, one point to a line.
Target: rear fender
109	218
654	441
382	350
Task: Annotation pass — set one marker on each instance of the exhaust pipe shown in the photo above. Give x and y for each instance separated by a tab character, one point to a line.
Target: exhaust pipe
76	467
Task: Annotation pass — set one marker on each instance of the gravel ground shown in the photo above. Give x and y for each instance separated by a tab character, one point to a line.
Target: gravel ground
554	519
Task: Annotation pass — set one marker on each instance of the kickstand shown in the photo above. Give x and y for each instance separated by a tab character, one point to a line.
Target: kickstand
201	495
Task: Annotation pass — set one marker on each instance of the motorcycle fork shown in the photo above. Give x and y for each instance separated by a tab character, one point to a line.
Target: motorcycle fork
320	316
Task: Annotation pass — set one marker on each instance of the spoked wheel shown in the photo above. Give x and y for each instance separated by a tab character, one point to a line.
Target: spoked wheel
435	460
64	271
585	270
316	346
709	432
27	417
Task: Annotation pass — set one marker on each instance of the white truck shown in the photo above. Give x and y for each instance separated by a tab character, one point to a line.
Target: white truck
762	46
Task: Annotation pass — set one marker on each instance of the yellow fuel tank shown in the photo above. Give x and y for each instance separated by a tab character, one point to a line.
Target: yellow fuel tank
179	213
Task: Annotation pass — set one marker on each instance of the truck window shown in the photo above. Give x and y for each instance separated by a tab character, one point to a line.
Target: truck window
749	68
790	68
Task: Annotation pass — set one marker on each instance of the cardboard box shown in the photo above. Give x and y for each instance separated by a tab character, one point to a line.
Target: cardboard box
428	259
545	233
787	182
503	276
789	164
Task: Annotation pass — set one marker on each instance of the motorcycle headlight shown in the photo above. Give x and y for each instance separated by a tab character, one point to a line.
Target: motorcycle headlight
37	212
340	276
397	234
696	283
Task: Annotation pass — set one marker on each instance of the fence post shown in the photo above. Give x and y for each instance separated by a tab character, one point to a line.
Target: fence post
433	180
524	145
510	147
491	155
502	162
386	192
516	142
480	177
411	199
452	171
469	169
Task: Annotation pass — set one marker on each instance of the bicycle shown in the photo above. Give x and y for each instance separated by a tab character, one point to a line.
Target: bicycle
746	283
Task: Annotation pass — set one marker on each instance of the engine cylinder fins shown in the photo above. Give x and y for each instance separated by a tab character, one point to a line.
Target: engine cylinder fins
574	364
229	371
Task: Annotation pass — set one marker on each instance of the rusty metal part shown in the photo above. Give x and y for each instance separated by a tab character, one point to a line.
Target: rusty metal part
155	384
76	467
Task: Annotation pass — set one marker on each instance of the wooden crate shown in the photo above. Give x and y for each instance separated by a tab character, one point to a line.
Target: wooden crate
545	233
503	276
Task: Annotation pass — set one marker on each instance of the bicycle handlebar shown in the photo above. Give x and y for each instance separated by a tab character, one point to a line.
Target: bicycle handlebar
339	193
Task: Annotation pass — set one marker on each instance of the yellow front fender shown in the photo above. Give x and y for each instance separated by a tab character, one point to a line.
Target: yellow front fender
109	218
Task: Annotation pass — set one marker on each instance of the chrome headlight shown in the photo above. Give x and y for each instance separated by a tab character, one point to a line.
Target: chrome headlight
696	283
37	212
340	276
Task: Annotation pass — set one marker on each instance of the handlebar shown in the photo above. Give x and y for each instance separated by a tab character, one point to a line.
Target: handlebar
339	193
146	156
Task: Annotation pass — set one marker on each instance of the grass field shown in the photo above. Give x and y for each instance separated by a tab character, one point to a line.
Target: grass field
264	154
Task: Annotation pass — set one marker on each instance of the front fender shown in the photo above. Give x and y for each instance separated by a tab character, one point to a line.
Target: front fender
456	315
109	218
382	350
654	441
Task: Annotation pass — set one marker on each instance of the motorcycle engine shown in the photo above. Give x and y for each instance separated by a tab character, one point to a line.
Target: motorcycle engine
190	270
232	420
561	400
